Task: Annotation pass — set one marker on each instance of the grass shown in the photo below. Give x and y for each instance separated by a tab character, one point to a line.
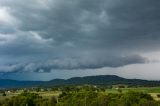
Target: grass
153	91
139	89
49	94
8	95
154	95
46	94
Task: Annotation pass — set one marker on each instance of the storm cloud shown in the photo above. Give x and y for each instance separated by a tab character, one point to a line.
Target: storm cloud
73	63
45	35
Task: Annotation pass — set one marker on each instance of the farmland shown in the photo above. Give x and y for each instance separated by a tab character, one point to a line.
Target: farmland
153	91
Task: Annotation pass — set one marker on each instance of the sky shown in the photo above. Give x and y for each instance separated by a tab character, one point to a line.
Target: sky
48	39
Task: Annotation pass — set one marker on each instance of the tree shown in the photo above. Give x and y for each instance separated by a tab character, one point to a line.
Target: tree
53	101
4	94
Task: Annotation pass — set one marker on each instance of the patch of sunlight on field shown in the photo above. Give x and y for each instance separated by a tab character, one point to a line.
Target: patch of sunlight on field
153	91
154	95
111	91
49	94
139	89
8	95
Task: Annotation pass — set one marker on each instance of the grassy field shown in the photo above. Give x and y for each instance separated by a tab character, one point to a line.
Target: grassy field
153	91
8	95
46	94
139	89
49	94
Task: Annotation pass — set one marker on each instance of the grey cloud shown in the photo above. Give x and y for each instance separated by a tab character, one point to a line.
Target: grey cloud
99	33
22	43
73	64
124	24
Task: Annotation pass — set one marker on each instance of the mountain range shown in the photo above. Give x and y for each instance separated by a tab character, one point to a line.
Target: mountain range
103	80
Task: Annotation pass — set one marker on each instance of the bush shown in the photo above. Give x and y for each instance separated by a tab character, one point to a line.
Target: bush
4	94
83	98
28	99
158	95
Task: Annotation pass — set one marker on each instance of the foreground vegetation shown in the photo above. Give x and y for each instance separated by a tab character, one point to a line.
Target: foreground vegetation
82	96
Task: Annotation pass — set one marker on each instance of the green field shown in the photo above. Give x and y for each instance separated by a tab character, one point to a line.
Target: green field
139	89
153	91
46	94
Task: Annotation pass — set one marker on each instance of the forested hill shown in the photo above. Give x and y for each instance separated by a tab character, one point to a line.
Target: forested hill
93	80
104	80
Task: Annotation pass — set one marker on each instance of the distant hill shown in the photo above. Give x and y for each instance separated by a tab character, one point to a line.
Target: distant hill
103	80
7	83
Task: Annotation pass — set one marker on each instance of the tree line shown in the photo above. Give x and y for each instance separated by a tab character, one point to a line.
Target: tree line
83	98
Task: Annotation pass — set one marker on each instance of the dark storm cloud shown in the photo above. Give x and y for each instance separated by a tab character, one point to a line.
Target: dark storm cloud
99	33
73	63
